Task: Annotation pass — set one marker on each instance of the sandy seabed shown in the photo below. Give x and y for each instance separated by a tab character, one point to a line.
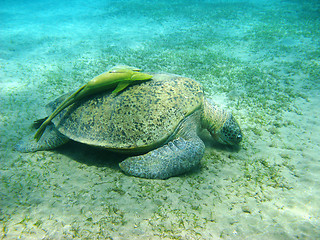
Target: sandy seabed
259	60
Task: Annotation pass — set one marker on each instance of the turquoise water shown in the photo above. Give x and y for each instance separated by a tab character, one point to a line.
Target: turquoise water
258	59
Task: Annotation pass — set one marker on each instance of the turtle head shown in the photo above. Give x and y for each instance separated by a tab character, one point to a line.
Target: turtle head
230	132
221	124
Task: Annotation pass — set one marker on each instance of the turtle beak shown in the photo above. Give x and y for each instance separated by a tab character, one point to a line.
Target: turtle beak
218	138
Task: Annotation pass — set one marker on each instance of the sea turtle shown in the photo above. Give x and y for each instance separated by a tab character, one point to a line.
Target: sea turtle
156	121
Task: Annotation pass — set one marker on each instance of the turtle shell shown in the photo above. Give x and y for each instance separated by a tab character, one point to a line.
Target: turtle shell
142	117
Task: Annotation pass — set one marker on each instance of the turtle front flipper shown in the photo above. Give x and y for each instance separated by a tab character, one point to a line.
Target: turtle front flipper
50	139
172	159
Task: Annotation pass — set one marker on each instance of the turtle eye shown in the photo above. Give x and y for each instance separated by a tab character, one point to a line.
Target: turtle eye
239	137
231	132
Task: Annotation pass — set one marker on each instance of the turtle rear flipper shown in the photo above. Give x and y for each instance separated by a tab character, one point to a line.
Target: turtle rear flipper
51	138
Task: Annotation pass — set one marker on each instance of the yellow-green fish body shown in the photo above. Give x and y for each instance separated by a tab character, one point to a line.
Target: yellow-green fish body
119	77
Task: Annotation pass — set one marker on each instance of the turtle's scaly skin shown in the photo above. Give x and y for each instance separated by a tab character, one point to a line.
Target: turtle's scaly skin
158	119
176	157
221	124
